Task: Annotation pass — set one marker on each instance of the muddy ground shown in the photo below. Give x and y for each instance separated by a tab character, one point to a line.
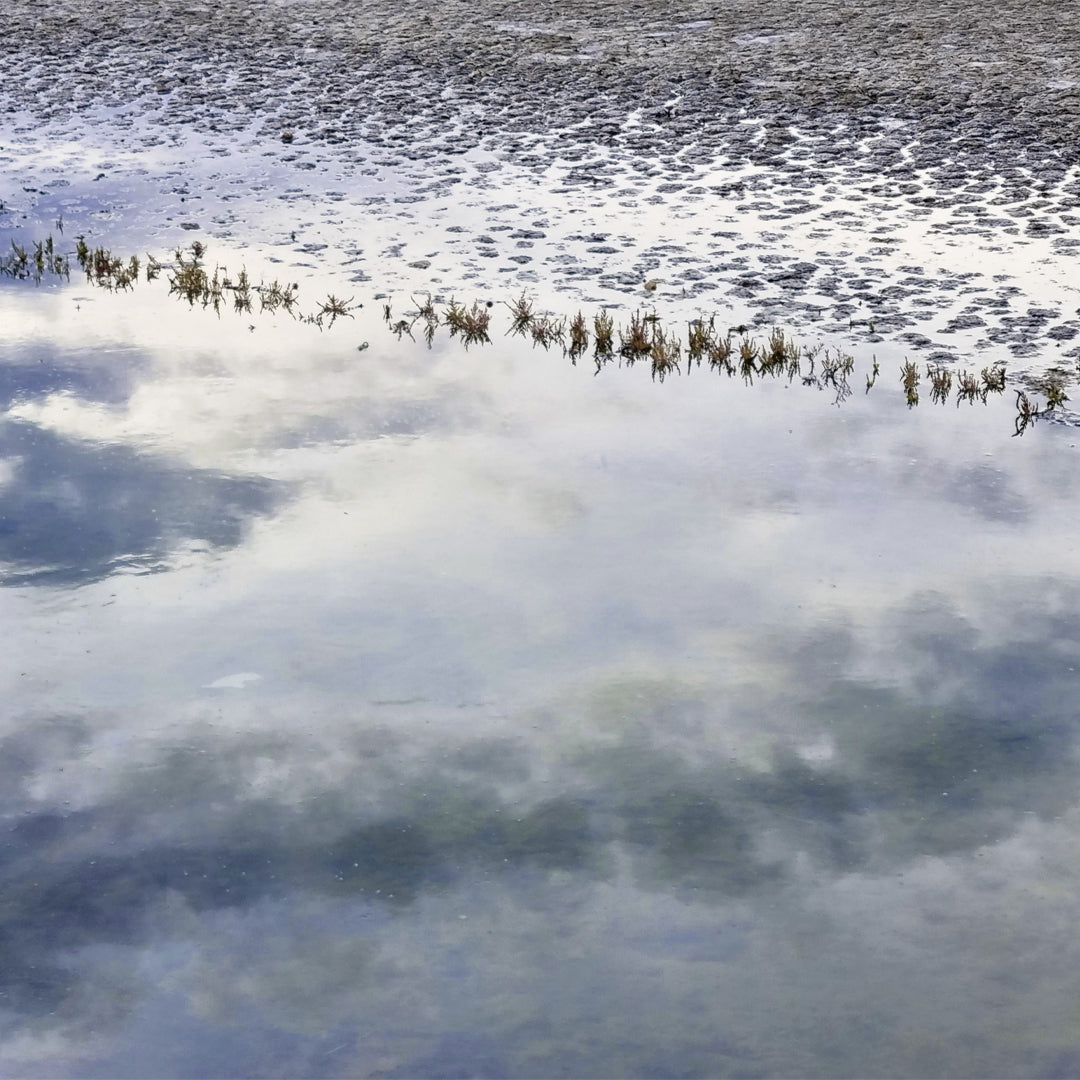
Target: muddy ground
820	156
991	85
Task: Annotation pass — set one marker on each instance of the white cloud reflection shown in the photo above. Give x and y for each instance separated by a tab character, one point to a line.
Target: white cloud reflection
601	724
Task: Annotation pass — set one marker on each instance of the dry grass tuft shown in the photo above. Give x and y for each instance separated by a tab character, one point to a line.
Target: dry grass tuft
276	295
241	292
664	352
968	388
579	336
699	340
940	383
993	379
909	376
748	355
46	260
603	328
1026	413
720	351
1053	386
471	324
427	312
779	354
521	312
547	330
333	308
636	342
189	280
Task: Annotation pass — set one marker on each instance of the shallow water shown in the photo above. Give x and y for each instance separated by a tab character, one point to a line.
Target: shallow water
445	712
378	710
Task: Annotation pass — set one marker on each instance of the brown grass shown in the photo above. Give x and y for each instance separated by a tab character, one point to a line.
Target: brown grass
579	336
603	326
664	352
470	324
909	377
521	312
636	341
940	383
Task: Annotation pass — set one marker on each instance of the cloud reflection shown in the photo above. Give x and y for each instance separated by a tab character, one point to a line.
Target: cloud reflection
37	374
955	759
73	512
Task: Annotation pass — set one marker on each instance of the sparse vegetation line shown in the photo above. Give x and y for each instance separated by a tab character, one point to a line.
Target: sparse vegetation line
730	352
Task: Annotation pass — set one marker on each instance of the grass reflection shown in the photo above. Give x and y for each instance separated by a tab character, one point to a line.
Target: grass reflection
43	261
669	350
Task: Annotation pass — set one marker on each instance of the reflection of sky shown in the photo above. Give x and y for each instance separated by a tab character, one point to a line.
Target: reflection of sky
73	512
552	725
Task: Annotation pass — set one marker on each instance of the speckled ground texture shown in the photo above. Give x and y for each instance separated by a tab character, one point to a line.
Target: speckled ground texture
873	170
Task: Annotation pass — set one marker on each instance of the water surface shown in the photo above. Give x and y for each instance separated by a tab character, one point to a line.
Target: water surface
446	712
